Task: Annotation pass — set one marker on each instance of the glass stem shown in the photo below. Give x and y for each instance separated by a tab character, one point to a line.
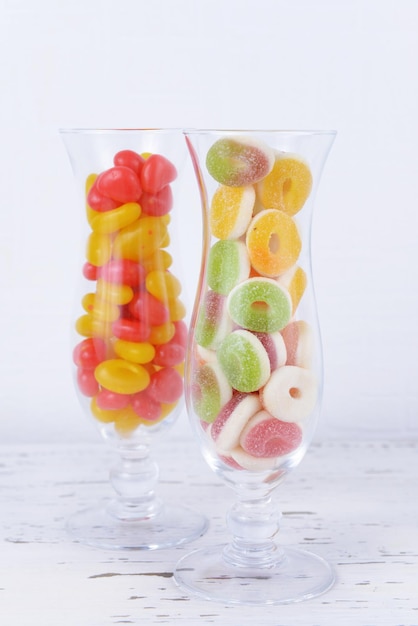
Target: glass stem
253	523
135	479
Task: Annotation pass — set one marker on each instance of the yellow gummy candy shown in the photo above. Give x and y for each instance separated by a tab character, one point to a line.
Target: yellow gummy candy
287	186
231	210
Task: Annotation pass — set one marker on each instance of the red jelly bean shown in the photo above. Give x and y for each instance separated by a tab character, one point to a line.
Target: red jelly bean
166	385
169	354
131	330
89	353
156	173
109	400
99	202
147	308
131	159
119	183
181	333
159	203
90	271
86	382
146	407
123	272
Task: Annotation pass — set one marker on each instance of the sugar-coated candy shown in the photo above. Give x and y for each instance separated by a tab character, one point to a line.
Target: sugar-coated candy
231	211
267	437
260	304
213	323
211	391
298	338
290	393
244	361
228	265
239	161
156	173
122	376
287	186
294	281
119	183
226	429
275	347
273	242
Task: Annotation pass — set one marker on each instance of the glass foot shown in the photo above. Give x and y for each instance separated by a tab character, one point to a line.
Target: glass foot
297	576
172	526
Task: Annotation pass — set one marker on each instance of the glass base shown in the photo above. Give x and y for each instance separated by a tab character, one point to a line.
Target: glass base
298	575
172	526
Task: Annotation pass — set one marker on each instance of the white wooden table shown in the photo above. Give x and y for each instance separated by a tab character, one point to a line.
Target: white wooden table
356	504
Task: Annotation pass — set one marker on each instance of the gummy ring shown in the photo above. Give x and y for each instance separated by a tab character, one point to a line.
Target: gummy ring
226	429
228	265
287	186
290	394
265	436
122	376
273	242
260	304
244	361
210	392
231	211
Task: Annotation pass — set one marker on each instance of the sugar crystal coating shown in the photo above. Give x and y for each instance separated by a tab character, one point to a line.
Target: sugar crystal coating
236	161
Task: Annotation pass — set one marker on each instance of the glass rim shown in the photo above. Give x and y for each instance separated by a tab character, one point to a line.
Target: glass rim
115	130
246	131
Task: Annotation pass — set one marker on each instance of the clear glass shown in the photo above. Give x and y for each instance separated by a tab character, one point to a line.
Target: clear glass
254	362
131	325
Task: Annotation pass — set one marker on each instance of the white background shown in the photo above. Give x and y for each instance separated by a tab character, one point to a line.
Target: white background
345	65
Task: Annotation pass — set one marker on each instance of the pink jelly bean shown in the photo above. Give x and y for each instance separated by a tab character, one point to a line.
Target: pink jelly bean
148	309
131	159
89	353
119	183
90	271
166	385
123	272
86	382
131	330
159	203
146	407
109	400
156	173
100	202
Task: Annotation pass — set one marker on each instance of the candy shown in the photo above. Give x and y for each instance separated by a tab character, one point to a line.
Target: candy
131	330
159	203
273	242
146	407
87	382
287	186
238	161
123	271
148	309
122	376
265	436
231	211
290	394
156	173
111	292
130	159
252	463
226	429
98	249
275	347
89	353
294	281
260	304
173	351
111	221
140	239
162	334
119	183
166	385
211	391
137	352
213	323
99	202
162	285
111	401
299	343
244	361
228	265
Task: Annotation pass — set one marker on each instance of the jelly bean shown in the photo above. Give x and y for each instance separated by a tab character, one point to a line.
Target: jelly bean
162	334
159	203
99	202
140	239
111	221
89	353
149	309
176	309
130	159
162	285
131	330
118	294
109	400
122	376
160	259
119	183
169	354
90	180
166	385
137	352
98	249
107	416
123	272
90	271
181	333
100	309
89	326
87	382
127	421
146	407
156	173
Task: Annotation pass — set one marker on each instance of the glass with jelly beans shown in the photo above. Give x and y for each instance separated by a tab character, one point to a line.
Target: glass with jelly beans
131	327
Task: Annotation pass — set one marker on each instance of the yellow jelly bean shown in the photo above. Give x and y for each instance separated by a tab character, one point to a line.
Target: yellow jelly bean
118	294
176	309
122	376
162	285
287	186
98	249
107	222
137	352
103	415
162	334
100	309
90	182
140	239
90	326
159	260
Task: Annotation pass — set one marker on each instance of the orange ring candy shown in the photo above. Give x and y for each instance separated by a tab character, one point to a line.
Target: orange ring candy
273	242
287	186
